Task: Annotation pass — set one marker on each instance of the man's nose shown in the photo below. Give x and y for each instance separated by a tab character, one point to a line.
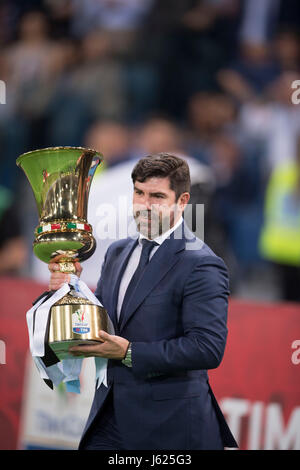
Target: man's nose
146	204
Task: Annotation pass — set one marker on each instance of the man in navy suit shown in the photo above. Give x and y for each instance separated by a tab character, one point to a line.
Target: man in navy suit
166	293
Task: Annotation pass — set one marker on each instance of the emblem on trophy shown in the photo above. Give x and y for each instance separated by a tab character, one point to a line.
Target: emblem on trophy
60	178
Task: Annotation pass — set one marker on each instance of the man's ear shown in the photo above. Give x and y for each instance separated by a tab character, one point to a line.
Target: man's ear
183	200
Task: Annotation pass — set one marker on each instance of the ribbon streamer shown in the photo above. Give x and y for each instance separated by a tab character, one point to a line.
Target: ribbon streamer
100	362
41	320
67	370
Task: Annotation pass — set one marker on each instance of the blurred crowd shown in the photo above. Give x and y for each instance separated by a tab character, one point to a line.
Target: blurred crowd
208	79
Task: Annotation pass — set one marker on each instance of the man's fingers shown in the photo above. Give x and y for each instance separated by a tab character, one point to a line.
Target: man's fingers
58	279
81	350
78	268
53	267
104	336
86	350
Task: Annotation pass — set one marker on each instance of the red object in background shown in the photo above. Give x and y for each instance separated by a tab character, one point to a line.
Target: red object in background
257	384
261	373
16	297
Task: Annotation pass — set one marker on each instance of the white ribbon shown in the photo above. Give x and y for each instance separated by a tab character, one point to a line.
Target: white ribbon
68	370
53	373
41	320
100	362
29	318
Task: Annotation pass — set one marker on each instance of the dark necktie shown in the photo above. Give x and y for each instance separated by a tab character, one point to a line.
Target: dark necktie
148	245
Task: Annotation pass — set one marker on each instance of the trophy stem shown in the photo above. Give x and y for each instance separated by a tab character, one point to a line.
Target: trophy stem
67	267
66	262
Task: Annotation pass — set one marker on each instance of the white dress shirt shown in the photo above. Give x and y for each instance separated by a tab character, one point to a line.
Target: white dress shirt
135	258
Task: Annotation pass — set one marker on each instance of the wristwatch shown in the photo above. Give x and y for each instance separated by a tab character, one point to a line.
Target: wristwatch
127	359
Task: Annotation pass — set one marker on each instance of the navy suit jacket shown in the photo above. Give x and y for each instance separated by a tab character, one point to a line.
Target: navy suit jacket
176	322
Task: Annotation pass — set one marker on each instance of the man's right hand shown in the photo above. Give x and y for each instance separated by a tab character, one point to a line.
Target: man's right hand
58	278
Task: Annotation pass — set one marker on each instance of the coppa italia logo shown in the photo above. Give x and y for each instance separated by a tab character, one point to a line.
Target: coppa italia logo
80	322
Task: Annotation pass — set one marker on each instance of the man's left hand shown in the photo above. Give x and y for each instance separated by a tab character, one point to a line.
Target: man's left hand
110	347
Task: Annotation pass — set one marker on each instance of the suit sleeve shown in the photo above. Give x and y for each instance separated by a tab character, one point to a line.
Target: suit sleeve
204	320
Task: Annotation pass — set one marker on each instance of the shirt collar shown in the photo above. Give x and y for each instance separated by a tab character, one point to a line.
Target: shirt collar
161	238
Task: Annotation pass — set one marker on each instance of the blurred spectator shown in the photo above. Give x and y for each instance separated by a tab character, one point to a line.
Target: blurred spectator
261	19
10	13
275	123
108	14
123	84
31	65
92	89
112	139
159	134
98	77
208	114
190	40
60	13
237	202
280	237
286	47
13	250
248	77
267	48
258	19
29	60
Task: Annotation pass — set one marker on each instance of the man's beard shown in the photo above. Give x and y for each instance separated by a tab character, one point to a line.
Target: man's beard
151	223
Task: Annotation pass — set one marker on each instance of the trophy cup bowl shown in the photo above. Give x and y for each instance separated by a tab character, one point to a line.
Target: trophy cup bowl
60	178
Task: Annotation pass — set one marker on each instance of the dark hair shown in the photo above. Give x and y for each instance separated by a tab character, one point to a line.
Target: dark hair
164	165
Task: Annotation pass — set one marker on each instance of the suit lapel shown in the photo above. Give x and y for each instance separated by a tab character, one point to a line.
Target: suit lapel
162	261
121	263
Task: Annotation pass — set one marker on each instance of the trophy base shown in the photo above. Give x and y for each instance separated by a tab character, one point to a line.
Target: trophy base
61	348
74	321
